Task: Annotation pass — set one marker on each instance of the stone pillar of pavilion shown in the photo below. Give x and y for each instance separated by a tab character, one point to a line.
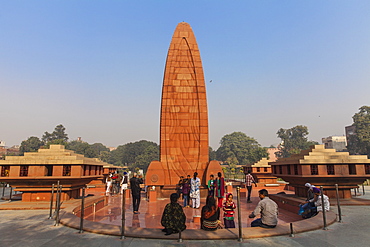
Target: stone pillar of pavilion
35	172
323	167
184	115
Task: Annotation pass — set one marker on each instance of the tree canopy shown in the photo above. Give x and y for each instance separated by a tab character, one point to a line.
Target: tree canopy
135	154
212	154
293	140
58	134
32	144
359	143
239	149
88	150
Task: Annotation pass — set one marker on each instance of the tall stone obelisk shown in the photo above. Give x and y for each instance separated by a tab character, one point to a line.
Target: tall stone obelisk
184	114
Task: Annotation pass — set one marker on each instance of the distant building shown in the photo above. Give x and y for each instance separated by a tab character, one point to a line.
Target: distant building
2	143
271	152
9	151
339	143
350	130
79	139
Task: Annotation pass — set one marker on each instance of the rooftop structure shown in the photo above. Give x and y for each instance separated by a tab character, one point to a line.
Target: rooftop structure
272	155
339	143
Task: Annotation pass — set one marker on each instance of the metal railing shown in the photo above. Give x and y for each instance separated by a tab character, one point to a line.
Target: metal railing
240	238
82	210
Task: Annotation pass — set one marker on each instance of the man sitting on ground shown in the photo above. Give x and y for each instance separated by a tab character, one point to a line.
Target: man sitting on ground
268	210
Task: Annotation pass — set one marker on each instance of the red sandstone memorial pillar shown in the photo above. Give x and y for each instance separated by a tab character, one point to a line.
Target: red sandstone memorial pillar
184	114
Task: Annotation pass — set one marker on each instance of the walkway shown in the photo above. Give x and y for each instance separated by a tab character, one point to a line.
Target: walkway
32	228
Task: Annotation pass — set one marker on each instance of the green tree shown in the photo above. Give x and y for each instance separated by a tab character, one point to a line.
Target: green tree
105	156
58	134
149	154
56	141
89	151
212	154
293	140
359	143
128	153
239	149
78	147
32	144
95	150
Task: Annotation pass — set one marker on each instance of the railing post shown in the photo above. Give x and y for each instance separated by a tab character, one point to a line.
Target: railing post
51	201
57	198
363	189
240	239
291	230
123	214
339	211
58	204
4	189
82	210
10	194
180	237
323	208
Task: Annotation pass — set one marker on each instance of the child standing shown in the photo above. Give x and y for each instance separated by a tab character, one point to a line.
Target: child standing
228	208
211	186
186	191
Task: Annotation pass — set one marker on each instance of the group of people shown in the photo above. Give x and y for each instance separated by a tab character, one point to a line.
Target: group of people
173	217
314	202
116	183
189	188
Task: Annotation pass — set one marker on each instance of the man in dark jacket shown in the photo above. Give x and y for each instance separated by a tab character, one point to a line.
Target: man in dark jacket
135	192
173	217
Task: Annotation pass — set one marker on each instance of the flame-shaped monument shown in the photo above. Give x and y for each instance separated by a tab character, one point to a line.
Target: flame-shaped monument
184	114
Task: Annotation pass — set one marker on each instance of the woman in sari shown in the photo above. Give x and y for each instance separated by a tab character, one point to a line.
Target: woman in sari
210	215
220	189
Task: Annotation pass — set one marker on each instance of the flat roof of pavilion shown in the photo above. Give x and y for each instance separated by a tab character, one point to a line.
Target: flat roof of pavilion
55	155
264	162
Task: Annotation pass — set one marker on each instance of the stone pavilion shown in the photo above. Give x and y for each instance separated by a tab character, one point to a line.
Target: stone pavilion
323	167
35	172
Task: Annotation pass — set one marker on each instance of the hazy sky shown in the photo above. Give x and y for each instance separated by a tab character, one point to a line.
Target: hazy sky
97	66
